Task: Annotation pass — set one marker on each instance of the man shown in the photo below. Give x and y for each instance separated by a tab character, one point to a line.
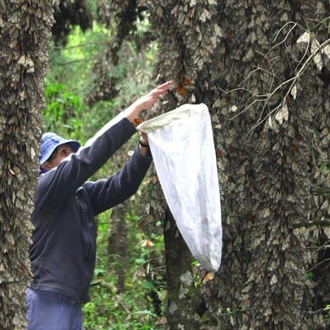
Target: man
64	240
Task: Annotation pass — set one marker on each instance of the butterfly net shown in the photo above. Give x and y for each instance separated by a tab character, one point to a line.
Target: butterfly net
181	142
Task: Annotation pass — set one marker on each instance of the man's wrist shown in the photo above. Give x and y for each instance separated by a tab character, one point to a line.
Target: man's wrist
143	144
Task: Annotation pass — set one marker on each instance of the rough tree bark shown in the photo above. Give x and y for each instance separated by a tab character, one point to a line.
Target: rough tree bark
179	279
240	58
24	37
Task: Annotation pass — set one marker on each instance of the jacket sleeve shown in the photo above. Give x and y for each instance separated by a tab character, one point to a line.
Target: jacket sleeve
55	186
105	194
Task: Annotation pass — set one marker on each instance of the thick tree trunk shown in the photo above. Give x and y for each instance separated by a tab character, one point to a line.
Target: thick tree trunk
24	38
179	279
239	57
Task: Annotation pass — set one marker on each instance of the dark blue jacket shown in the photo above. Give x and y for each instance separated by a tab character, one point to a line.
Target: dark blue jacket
64	240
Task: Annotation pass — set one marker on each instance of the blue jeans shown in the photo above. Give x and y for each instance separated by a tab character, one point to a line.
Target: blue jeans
52	311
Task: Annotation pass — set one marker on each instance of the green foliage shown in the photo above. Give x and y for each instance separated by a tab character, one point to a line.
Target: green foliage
68	81
72	68
113	310
72	64
63	110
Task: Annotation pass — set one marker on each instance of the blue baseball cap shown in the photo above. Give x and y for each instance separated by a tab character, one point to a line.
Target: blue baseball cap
50	141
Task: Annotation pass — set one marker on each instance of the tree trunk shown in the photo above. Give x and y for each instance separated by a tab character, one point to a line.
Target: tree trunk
117	245
179	278
24	36
240	57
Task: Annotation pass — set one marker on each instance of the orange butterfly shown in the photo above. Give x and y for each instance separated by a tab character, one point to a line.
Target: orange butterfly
183	82
137	121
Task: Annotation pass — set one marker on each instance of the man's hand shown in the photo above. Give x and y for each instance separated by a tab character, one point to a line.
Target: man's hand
146	101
